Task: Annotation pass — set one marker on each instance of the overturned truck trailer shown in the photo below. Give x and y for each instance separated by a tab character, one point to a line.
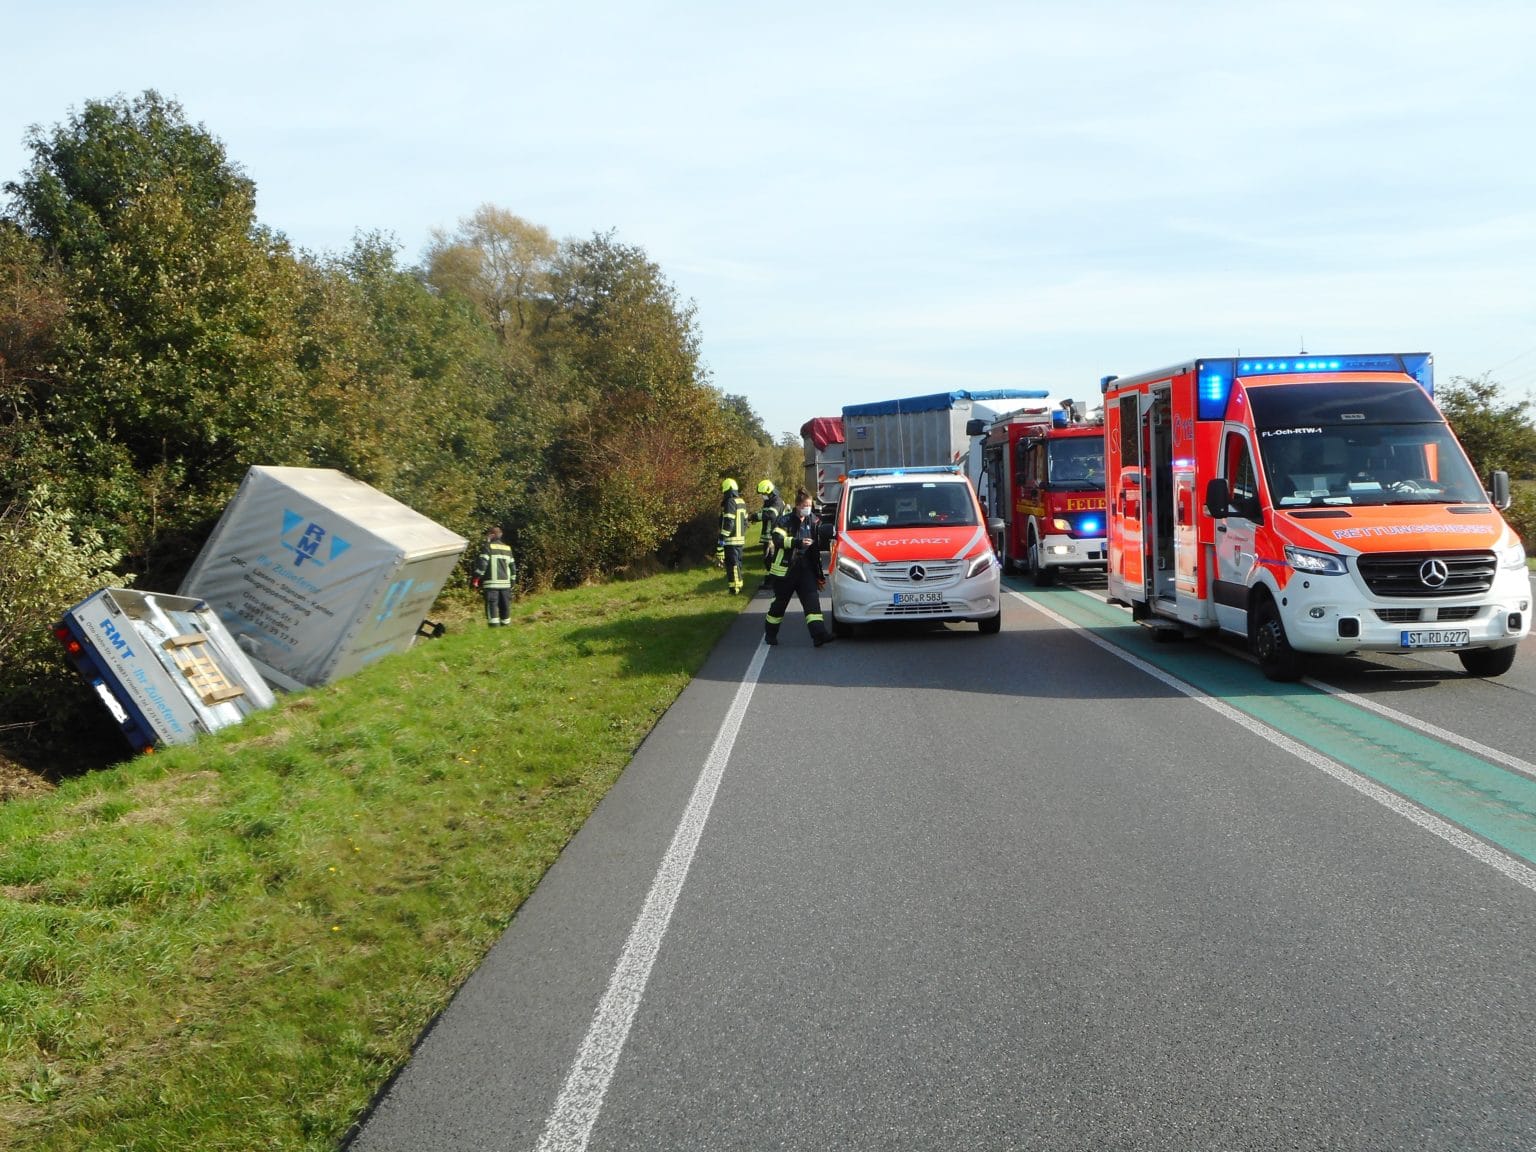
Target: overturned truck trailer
317	575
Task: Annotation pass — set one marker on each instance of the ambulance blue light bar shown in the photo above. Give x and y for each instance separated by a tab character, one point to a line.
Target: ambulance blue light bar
947	469
1216	376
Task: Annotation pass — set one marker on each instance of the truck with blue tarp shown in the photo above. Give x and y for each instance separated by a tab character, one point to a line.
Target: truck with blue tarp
926	431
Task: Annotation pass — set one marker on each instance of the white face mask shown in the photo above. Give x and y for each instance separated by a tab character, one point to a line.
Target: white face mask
803	511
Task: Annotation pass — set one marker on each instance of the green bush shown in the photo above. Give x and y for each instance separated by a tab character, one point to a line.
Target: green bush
47	563
1521	515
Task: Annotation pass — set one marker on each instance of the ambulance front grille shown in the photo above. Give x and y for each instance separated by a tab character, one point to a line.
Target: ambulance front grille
1404	573
1461	612
903	574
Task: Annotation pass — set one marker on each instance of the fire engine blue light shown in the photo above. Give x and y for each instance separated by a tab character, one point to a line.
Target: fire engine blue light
1089	526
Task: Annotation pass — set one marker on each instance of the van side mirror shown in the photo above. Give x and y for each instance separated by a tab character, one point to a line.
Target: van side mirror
1500	490
827	532
1217	498
995	525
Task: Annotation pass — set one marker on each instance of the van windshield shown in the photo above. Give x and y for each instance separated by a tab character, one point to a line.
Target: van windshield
911	505
1317	464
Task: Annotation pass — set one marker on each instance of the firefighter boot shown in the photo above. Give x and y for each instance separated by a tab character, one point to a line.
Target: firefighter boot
818	630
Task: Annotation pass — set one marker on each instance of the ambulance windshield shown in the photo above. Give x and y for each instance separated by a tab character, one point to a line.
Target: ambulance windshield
911	505
1369	464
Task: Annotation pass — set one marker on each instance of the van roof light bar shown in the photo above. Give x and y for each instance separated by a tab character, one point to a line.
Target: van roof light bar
948	469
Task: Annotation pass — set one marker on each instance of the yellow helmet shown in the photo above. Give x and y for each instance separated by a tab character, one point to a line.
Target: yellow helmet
728	485
764	487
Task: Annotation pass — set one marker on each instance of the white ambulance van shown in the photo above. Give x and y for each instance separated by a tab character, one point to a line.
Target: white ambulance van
912	544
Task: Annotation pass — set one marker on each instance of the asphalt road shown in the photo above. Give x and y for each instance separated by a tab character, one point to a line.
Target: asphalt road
934	890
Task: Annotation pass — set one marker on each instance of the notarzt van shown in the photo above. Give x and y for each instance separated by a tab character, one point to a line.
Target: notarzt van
911	544
1309	504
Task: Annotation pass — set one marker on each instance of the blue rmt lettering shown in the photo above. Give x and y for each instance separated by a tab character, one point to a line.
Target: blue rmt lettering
392	599
119	643
313	545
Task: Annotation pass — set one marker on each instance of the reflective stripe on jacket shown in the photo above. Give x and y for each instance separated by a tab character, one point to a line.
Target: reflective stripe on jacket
733	521
795	542
495	567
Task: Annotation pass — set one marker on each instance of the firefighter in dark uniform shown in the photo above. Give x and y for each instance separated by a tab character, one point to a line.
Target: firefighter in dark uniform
733	534
795	568
495	573
768	515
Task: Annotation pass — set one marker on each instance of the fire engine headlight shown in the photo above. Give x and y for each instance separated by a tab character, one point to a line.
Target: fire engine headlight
980	565
1061	525
852	568
1315	563
1514	558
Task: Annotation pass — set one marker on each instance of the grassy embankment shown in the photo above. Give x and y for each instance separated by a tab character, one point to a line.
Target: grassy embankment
232	945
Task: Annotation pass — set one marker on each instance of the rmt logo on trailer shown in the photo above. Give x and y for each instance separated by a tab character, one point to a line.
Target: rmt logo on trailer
313	544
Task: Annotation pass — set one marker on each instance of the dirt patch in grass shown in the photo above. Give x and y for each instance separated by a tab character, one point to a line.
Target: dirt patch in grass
17	781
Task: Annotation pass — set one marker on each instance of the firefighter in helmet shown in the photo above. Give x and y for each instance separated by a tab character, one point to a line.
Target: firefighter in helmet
768	515
795	569
495	573
733	534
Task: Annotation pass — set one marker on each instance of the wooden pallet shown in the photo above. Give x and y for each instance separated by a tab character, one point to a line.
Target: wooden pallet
190	652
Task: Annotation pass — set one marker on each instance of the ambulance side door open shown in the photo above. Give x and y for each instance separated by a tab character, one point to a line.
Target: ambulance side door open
1236	530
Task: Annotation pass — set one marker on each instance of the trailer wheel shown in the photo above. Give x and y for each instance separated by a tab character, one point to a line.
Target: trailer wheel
1488	661
1277	659
1043	575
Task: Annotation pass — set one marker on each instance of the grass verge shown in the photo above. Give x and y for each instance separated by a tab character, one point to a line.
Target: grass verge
233	945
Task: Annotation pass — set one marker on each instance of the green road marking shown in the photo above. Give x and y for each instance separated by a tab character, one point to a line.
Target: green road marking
1485	799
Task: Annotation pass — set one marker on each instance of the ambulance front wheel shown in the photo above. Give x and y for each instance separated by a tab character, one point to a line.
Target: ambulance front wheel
1488	661
1277	659
840	628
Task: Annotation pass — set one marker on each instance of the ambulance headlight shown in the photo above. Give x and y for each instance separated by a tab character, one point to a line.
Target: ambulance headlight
980	565
1315	563
852	568
1514	558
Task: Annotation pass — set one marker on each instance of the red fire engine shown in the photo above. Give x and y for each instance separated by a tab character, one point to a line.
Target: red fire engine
1043	476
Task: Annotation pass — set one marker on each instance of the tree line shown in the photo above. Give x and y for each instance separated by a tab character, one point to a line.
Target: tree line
156	340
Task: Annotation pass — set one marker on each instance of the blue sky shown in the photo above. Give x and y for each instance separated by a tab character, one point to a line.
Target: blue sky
869	200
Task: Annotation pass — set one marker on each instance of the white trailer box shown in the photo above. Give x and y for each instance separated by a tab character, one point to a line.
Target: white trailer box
922	431
317	575
165	666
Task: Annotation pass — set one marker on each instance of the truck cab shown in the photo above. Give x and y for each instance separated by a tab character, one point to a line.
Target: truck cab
1043	477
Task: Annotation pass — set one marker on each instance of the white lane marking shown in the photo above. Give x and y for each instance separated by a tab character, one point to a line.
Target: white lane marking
1524	767
570	1123
1520	873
